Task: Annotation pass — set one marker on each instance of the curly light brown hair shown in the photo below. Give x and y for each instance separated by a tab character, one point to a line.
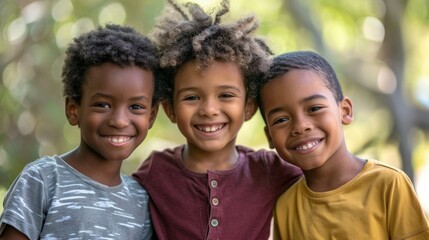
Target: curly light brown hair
186	32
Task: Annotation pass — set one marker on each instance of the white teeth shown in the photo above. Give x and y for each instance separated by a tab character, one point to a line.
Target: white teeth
307	146
118	139
210	129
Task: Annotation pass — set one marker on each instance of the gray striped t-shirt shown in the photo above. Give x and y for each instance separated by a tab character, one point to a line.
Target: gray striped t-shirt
51	200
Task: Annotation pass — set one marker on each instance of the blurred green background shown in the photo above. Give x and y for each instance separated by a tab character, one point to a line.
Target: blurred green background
380	50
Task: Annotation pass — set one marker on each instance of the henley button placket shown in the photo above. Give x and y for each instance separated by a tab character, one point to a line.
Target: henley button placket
215	218
215	201
214	222
213	183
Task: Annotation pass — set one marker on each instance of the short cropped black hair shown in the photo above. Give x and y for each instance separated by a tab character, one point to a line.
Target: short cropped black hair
185	33
116	44
305	60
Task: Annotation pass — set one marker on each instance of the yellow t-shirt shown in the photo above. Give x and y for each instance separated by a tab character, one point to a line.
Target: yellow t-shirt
379	203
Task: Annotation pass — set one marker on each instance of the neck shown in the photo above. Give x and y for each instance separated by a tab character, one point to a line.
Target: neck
200	161
334	174
104	172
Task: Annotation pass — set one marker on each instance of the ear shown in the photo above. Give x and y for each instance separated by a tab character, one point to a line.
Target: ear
72	111
346	111
250	108
153	114
267	134
167	105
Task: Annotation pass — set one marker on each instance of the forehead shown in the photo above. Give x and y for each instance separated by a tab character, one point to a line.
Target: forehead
113	77
216	73
299	77
294	85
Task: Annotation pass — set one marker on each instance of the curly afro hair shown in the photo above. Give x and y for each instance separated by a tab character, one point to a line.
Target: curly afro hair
304	60
119	45
184	33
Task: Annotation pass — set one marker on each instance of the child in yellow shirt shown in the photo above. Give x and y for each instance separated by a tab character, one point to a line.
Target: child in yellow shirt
340	196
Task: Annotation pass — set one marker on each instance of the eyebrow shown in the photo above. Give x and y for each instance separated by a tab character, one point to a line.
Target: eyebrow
103	95
312	97
222	87
306	99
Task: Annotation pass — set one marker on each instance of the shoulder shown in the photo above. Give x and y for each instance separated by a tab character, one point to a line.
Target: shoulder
383	173
165	154
158	161
258	155
384	169
133	185
46	165
297	188
163	158
269	162
130	181
268	158
43	162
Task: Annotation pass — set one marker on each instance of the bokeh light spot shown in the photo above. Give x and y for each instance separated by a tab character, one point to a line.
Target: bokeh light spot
112	13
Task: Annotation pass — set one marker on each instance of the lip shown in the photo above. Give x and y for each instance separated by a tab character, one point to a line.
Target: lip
210	128
118	140
307	145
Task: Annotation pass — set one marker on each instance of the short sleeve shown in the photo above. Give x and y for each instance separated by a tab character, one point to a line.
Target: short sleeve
143	171
405	213
282	173
23	206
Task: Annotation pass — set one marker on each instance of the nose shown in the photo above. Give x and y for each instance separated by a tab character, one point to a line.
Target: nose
301	125
209	108
119	118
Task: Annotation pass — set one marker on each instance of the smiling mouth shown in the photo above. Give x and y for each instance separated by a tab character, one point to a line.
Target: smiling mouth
119	139
308	145
209	129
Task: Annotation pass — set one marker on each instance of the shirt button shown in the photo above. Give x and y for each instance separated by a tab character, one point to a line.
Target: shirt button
214	222
215	201
213	183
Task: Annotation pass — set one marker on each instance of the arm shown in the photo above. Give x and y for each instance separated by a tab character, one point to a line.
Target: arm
282	173
276	230
405	214
11	233
23	206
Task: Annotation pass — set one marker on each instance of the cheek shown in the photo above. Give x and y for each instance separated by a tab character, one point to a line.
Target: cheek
89	121
278	138
182	116
238	110
143	124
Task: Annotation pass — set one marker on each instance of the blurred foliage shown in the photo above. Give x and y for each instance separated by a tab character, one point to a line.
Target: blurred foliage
352	35
2	194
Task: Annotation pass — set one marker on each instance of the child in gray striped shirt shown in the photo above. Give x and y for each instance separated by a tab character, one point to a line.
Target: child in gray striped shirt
110	94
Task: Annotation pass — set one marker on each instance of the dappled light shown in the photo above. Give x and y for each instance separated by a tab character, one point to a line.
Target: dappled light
373	29
381	59
386	80
64	35
26	123
112	13
422	90
62	10
16	31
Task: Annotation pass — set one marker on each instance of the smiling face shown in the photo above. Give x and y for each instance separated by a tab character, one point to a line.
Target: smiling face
115	111
304	121
209	106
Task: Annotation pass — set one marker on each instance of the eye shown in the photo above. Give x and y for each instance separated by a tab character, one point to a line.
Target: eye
101	105
137	107
280	120
226	95
191	98
314	108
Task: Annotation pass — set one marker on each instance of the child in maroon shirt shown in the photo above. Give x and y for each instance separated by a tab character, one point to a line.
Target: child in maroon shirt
211	188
